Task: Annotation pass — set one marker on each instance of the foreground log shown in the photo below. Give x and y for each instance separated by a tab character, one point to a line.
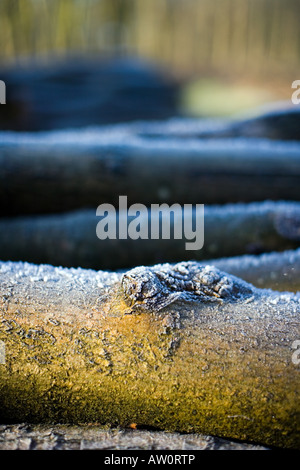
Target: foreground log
61	171
277	271
182	348
70	240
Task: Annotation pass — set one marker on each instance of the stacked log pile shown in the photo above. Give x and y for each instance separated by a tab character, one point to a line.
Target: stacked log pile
144	332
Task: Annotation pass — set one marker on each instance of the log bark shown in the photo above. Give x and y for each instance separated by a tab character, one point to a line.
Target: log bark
70	239
277	271
94	437
62	171
182	348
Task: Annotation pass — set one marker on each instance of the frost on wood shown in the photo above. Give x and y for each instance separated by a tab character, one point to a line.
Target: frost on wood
276	270
219	362
68	170
155	288
45	288
70	239
94	437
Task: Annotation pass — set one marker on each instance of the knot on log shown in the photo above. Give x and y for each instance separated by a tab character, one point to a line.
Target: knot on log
153	288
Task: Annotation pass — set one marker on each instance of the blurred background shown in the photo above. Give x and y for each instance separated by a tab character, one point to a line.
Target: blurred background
70	64
210	57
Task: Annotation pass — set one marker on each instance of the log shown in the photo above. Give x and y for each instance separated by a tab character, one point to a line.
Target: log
279	123
78	92
26	436
69	170
70	240
277	271
183	348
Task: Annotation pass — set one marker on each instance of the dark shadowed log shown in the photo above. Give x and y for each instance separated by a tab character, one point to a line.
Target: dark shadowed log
61	171
183	348
281	123
78	92
71	239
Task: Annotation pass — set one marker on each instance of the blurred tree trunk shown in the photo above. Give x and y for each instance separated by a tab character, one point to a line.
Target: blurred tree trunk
71	239
41	176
